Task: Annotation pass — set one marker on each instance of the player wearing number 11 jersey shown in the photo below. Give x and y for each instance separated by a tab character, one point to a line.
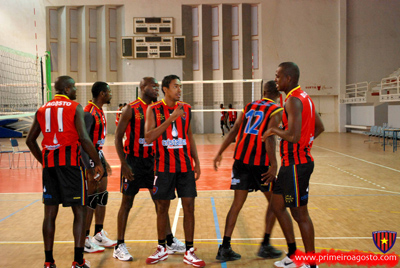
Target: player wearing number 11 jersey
62	124
255	162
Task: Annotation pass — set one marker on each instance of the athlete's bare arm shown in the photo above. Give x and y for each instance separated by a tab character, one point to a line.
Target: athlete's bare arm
86	143
193	152
31	142
126	117
293	108
151	131
319	125
270	146
228	140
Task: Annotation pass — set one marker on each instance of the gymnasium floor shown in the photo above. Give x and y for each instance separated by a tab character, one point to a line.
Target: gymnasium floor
354	191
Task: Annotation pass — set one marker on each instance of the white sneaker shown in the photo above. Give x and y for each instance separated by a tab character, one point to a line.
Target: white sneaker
192	259
160	255
307	266
91	247
176	246
285	263
121	253
101	239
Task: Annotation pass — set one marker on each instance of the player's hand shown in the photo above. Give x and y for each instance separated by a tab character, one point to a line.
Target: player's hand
266	134
98	172
270	175
178	112
127	172
108	168
197	172
217	161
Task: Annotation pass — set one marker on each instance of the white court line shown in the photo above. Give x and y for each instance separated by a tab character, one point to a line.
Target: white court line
178	209
236	239
382	166
355	187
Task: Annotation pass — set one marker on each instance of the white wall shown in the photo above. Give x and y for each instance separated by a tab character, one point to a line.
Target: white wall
362	115
393	115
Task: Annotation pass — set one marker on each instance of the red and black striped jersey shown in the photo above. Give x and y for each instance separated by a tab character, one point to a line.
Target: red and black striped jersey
60	139
232	115
299	153
222	114
172	148
135	143
97	128
249	147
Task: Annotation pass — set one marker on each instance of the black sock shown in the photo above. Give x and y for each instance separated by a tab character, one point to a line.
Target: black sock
87	232
313	266
226	243
266	239
49	256
170	239
161	242
78	255
292	248
189	245
119	242
98	228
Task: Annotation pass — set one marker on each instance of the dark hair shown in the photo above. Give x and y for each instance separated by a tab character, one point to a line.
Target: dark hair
291	69
167	80
99	87
271	90
119	105
230	105
63	82
124	103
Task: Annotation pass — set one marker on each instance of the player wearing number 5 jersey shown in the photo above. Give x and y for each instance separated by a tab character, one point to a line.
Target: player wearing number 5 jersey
62	124
255	162
96	126
301	125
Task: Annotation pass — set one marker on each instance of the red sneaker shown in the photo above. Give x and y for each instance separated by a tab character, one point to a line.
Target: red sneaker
85	264
50	265
160	255
191	258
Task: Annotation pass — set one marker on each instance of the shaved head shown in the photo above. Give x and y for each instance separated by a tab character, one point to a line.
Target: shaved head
145	81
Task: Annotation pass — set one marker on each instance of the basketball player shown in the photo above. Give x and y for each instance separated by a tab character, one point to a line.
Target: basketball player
96	126
168	125
224	119
255	162
62	124
301	126
137	164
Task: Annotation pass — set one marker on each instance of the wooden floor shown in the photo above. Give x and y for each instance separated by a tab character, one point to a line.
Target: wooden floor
354	191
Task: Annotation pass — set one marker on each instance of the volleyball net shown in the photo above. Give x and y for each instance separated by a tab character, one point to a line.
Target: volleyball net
22	92
20	82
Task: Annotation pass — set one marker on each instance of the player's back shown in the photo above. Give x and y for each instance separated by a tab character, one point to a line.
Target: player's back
60	138
249	147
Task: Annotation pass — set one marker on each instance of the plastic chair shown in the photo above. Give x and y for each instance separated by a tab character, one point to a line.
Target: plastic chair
371	133
8	152
16	150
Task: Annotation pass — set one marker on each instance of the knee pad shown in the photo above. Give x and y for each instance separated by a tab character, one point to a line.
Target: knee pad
103	198
93	199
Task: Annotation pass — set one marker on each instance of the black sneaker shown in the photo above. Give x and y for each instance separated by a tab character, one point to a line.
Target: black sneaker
227	254
269	252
